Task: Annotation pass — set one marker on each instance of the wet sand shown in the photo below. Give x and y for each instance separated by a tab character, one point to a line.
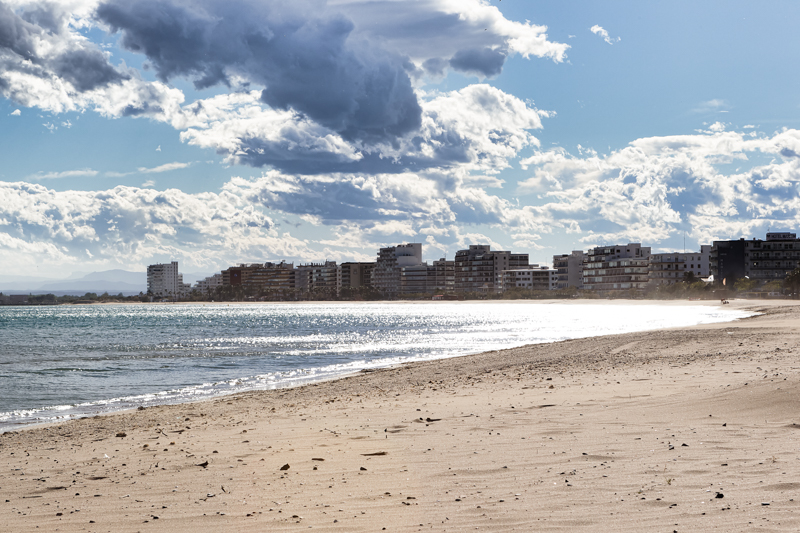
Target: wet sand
692	429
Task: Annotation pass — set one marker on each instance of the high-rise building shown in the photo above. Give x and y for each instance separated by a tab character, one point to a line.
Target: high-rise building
316	280
418	279
386	274
445	275
165	281
479	269
354	276
570	269
616	268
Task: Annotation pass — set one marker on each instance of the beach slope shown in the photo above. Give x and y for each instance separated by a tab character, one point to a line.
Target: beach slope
690	429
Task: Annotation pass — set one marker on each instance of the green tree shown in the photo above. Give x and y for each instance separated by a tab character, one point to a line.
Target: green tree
745	284
792	282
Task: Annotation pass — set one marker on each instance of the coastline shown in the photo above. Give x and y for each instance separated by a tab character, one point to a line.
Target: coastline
576	435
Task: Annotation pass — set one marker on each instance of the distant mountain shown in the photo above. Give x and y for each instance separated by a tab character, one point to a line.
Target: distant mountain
110	281
120	276
79	283
99	286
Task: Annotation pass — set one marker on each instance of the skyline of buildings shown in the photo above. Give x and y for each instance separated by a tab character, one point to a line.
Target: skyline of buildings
399	270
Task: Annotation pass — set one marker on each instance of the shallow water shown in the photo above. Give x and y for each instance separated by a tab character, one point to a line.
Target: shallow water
68	361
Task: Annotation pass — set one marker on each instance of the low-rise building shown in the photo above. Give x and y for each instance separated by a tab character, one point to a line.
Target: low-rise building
534	278
764	260
672	267
773	258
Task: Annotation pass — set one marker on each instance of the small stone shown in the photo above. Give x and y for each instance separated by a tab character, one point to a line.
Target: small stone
363	469
285	467
719	495
121	434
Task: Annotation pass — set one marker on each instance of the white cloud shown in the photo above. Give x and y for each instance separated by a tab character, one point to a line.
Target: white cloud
715	105
462	24
661	186
132	227
599	30
15	113
163	168
64	174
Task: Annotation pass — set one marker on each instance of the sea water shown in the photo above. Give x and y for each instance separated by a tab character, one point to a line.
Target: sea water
63	362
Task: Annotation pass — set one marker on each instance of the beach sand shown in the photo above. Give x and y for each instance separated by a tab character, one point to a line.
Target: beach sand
692	429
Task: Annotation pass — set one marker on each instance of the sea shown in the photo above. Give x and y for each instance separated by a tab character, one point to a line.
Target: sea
70	361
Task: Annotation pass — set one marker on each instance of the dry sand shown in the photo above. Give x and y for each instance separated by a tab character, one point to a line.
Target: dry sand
682	430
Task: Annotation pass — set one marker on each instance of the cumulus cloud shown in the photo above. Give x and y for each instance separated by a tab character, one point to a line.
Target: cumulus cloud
131	226
15	113
599	30
476	128
431	33
315	86
661	186
46	62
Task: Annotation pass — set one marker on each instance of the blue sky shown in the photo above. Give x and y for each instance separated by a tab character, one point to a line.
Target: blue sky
138	132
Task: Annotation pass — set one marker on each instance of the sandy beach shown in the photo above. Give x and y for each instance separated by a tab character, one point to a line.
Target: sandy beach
692	429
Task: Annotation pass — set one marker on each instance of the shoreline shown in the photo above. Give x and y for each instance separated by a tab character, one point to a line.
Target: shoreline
55	414
631	431
520	301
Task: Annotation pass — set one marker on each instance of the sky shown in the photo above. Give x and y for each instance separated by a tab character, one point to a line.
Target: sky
215	133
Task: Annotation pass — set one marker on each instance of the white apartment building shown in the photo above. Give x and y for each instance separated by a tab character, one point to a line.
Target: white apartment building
617	267
534	278
164	281
670	268
386	274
